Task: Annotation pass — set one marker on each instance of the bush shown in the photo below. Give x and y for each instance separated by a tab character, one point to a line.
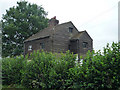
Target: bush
11	70
46	70
101	70
53	71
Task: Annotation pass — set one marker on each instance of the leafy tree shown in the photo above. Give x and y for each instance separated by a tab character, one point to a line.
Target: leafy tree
18	24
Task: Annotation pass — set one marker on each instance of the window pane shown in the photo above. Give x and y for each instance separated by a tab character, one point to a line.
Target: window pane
85	44
42	45
70	29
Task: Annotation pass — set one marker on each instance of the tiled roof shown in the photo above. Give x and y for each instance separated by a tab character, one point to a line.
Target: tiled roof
40	34
77	36
44	33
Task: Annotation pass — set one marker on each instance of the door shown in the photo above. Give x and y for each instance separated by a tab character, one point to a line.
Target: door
73	47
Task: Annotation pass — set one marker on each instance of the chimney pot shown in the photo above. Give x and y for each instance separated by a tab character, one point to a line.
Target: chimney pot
53	21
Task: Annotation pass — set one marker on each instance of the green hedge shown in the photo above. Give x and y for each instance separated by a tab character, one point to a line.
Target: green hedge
47	70
11	70
102	70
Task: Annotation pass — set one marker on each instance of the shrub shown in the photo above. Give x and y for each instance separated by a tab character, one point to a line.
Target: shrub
11	70
47	70
101	70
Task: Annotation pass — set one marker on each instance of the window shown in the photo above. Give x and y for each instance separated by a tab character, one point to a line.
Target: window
42	45
70	29
69	47
85	44
29	47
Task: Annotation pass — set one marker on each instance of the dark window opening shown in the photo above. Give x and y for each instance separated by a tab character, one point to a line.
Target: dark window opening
42	45
69	47
85	44
70	29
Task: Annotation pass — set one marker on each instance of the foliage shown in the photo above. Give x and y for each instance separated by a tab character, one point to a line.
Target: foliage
40	70
47	70
11	70
13	87
100	70
18	24
0	39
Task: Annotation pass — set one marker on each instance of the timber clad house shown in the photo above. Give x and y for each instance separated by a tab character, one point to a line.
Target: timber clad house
58	38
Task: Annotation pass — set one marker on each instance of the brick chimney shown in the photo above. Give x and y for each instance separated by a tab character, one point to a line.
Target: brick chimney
53	21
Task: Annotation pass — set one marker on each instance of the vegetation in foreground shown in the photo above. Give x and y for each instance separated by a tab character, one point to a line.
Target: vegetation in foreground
46	70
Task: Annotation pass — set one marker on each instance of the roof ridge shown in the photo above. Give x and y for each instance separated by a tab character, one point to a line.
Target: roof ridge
82	31
63	23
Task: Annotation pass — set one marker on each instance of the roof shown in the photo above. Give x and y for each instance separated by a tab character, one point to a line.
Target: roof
77	36
41	34
45	32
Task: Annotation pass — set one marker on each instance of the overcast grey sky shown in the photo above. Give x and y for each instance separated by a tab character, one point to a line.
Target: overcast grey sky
98	17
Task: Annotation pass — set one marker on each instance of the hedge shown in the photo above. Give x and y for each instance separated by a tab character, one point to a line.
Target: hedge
47	70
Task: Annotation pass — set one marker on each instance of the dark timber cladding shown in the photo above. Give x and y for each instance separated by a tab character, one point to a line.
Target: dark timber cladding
59	38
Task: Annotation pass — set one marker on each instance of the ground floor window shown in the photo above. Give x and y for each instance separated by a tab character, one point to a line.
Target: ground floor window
29	47
42	45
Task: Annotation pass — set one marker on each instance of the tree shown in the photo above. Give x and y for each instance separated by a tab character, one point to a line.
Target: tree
18	24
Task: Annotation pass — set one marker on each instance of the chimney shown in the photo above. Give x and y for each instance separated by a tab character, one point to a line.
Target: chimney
53	21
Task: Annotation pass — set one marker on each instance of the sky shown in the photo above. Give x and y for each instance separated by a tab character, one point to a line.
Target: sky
98	17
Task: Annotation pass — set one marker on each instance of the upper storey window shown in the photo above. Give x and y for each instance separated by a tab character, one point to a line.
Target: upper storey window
70	29
85	44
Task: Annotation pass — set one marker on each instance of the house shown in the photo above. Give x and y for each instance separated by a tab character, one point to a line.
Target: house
58	38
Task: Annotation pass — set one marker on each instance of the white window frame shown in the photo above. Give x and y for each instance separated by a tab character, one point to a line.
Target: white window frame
29	47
